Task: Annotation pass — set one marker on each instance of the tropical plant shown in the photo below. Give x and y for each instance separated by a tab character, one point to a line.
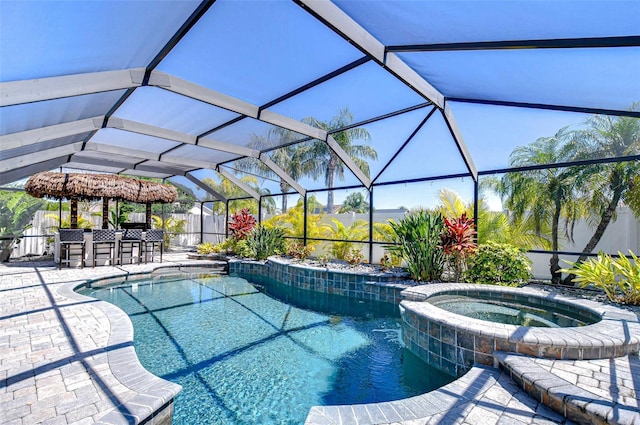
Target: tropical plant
344	236
83	223
354	257
230	190
16	212
121	216
618	278
457	240
228	246
418	239
320	160
293	221
355	202
548	194
207	248
499	264
324	259
522	232
297	249
171	226
263	242
385	262
606	185
241	224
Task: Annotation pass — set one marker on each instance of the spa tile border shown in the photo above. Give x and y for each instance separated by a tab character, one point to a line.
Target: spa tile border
453	343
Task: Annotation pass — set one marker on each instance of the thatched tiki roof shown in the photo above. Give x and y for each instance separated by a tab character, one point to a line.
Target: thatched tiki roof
75	186
96	186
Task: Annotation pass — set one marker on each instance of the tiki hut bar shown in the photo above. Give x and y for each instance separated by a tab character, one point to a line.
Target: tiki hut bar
84	186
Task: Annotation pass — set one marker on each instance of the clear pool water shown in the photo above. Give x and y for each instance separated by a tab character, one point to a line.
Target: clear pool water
510	312
244	356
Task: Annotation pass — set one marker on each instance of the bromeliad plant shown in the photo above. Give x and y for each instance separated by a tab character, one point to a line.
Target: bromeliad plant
619	278
241	224
418	238
458	242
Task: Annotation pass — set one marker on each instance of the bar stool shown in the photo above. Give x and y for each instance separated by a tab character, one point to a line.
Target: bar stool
104	244
71	244
131	240
154	239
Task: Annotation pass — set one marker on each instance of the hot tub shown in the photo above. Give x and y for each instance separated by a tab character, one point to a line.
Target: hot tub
453	342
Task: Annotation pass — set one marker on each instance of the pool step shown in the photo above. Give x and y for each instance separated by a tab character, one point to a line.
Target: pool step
605	391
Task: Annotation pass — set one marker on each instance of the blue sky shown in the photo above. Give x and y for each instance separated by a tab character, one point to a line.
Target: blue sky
259	50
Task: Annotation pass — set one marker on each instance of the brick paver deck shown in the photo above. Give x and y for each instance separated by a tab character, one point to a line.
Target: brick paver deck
68	359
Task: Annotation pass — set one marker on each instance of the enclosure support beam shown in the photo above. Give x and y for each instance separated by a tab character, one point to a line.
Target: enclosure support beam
44	155
552	43
566	108
305	216
42	134
332	16
39	89
205	187
348	161
26	171
235	180
176	136
194	91
476	204
282	174
457	138
371	226
144	155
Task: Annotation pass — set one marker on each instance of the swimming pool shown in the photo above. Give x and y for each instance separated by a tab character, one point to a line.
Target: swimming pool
244	355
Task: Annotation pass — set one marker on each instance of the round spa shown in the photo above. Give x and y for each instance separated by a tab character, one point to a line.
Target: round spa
452	326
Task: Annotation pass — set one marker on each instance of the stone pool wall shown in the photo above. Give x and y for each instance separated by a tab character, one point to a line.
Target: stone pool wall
453	343
382	287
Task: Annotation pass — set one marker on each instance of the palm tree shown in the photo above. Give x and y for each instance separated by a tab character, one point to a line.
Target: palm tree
356	203
230	191
284	157
342	235
318	159
545	195
606	185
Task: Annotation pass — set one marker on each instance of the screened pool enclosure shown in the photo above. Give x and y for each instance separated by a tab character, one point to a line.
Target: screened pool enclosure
356	111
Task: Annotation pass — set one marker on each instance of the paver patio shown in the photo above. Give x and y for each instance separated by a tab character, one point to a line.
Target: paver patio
66	359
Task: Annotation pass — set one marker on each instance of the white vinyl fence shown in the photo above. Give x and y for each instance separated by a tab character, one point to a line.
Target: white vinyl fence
621	235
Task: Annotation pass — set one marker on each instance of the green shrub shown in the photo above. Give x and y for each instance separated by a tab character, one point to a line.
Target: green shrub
499	264
228	246
207	248
618	278
263	242
418	238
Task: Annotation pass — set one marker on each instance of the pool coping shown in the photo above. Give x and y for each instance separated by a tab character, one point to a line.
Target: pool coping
153	402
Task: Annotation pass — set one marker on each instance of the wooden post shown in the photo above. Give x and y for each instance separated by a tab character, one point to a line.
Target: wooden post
74	213
148	215
105	213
